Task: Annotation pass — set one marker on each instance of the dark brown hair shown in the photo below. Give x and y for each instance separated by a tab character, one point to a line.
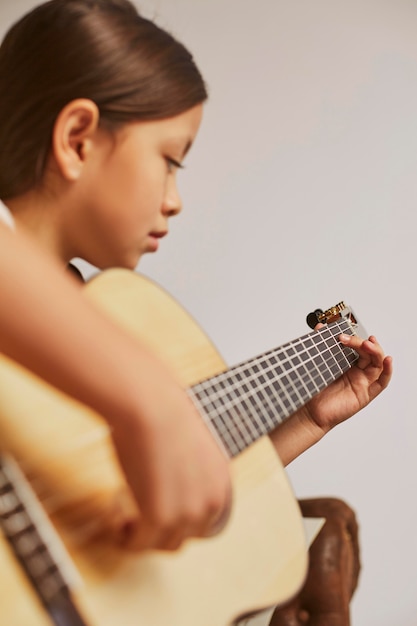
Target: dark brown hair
102	50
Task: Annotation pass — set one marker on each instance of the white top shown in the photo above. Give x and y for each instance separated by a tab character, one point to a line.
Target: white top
6	216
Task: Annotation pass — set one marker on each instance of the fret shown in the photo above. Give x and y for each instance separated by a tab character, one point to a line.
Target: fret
252	398
25	544
261	400
23	524
229	426
245	428
24	538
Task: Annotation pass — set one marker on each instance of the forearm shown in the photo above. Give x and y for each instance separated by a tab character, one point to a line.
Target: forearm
48	326
295	436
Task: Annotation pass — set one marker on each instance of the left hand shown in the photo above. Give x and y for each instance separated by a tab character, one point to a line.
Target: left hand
349	394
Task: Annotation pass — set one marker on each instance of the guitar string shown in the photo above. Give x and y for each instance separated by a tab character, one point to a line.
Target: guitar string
218	399
234	381
213	396
308	344
32	535
261	428
263	401
235	394
222	393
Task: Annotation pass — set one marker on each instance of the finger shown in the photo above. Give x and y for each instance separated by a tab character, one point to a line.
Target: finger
384	379
174	538
150	537
141	536
369	350
386	361
147	535
220	519
358	344
373	351
386	375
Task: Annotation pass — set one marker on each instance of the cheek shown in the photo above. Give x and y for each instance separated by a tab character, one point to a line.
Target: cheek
136	183
147	190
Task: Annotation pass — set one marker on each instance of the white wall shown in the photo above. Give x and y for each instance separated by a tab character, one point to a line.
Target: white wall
301	192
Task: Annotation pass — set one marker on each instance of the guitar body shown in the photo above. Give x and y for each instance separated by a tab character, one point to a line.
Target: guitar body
64	449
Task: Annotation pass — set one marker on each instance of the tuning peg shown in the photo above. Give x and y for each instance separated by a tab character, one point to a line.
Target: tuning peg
312	319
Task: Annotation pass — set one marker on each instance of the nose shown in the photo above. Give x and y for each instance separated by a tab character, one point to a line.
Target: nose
172	204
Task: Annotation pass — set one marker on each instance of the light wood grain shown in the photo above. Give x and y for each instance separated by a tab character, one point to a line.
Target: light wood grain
65	449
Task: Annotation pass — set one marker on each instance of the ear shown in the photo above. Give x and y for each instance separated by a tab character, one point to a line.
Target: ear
72	136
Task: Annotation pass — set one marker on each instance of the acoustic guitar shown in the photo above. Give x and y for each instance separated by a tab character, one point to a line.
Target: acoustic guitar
63	563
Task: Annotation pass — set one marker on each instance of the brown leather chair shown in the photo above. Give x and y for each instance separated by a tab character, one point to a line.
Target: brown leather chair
333	569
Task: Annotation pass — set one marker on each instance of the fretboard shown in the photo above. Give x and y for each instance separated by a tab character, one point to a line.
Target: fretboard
249	400
23	524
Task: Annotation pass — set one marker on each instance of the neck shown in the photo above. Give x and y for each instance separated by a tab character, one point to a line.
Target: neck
251	399
38	216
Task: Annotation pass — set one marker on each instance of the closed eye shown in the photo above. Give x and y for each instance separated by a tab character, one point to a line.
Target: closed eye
173	164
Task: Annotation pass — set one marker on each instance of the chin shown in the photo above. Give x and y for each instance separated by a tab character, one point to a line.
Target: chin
127	263
130	264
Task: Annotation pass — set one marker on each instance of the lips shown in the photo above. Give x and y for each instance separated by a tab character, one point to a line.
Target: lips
159	234
153	240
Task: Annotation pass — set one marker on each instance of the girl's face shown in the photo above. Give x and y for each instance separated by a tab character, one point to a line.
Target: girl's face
128	190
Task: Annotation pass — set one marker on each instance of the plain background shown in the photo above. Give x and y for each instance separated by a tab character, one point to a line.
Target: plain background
301	192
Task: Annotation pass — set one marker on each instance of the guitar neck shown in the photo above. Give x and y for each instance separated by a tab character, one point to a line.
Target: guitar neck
249	400
31	537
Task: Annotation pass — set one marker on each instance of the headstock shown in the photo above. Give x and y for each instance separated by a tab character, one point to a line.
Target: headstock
335	313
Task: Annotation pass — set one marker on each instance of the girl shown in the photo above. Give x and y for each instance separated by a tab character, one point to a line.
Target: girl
99	107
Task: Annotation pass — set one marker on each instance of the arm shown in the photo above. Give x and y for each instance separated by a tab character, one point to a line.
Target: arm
45	324
342	399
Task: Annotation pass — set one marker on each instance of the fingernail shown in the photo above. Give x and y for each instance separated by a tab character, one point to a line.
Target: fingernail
344	337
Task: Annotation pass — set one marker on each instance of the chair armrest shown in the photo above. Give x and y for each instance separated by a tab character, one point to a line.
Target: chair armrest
333	569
